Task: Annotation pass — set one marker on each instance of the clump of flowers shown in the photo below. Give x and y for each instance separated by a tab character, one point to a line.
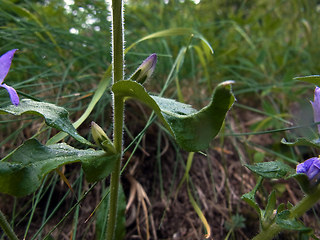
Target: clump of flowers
5	64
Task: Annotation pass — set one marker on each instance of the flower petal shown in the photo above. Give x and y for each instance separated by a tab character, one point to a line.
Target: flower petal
305	166
12	93
313	172
5	63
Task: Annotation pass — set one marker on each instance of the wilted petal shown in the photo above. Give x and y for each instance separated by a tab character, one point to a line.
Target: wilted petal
12	93
5	63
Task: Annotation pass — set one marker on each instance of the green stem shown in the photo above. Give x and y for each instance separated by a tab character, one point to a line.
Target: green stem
117	40
118	108
268	233
297	211
306	203
7	228
115	176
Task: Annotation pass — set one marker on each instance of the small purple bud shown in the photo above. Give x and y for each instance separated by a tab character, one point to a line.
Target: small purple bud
316	106
145	70
5	64
311	168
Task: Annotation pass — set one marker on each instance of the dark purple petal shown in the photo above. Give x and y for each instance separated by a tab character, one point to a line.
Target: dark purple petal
5	63
12	93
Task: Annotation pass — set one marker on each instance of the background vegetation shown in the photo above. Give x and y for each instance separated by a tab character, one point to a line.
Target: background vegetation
64	51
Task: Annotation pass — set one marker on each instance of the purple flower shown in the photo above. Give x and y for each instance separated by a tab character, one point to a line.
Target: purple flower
5	63
311	168
145	70
316	106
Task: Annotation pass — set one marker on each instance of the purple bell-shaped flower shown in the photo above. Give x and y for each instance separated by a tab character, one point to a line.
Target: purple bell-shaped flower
5	64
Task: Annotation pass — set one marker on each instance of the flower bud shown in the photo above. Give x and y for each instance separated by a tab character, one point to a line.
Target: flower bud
316	106
101	139
145	70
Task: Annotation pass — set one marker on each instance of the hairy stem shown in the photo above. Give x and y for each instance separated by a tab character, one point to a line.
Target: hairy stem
7	228
297	211
118	108
115	176
117	40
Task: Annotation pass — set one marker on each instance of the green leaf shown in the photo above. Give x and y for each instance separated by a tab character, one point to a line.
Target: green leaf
304	182
283	219
22	171
173	32
250	199
101	89
56	117
270	206
274	169
267	214
289	205
102	217
303	142
315	79
193	130
128	88
98	168
199	213
281	208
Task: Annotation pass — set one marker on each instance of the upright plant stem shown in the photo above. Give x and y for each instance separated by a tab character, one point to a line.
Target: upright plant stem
117	40
7	228
118	108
